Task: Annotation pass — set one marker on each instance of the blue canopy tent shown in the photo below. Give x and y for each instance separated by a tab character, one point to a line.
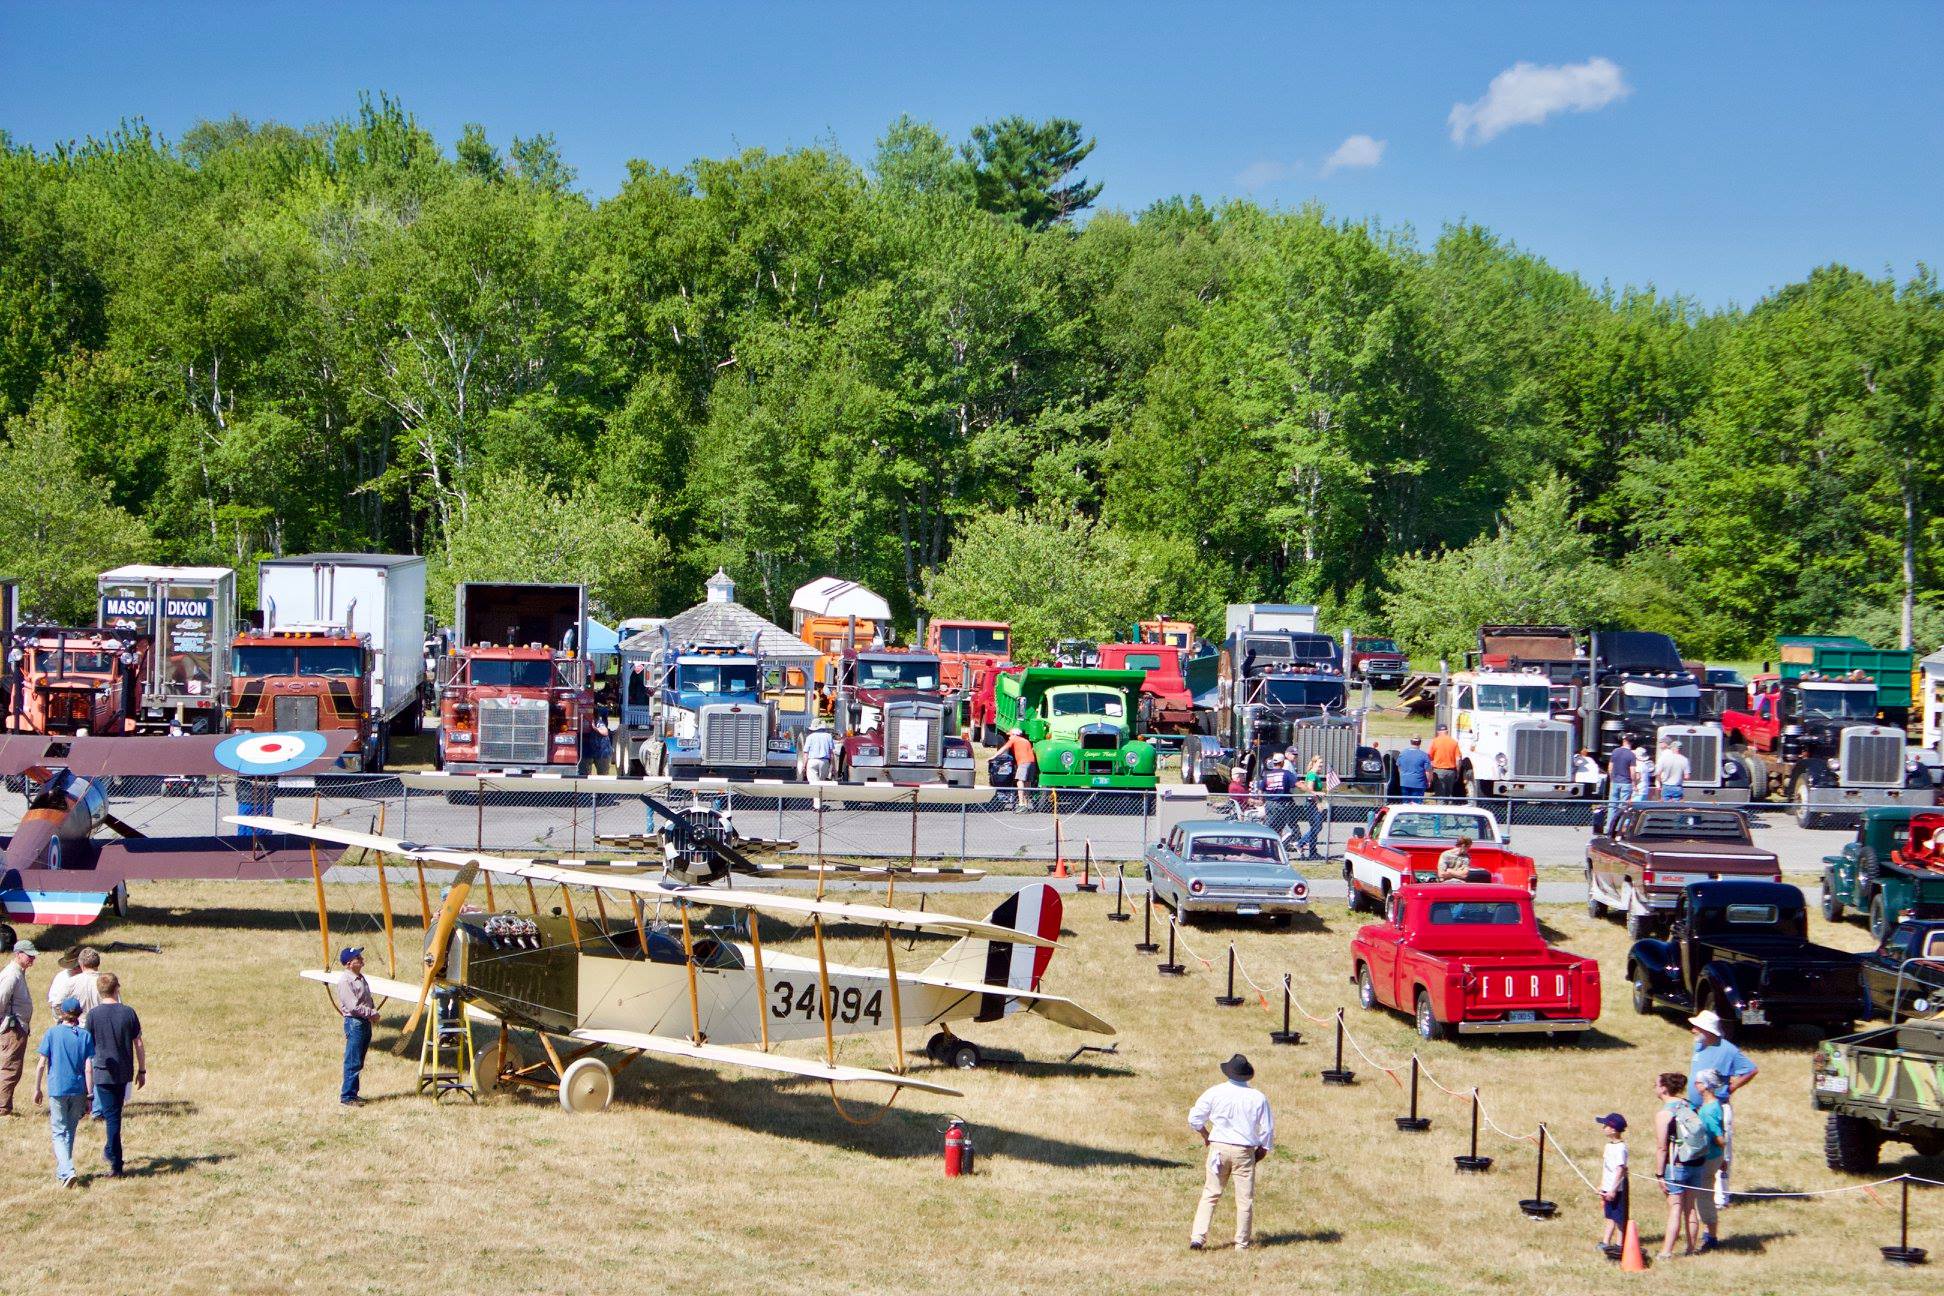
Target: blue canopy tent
603	643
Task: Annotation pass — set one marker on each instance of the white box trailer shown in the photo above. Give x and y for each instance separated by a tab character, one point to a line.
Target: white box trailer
1299	618
189	614
381	596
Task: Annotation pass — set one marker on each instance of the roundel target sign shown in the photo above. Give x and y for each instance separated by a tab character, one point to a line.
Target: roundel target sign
269	753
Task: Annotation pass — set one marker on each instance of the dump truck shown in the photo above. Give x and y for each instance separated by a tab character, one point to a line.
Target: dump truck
188	615
1080	721
514	692
1817	740
341	647
1847	657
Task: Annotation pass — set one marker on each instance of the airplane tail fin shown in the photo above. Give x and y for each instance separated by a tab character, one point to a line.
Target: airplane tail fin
1034	910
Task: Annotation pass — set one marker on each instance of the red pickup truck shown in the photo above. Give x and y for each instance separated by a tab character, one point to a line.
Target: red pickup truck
1467	958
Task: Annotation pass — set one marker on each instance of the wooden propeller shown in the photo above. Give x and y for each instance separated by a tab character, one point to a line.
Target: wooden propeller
435	950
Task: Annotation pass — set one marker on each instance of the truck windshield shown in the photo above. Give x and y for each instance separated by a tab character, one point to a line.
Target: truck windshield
920	674
74	661
1298	692
1375	645
973	639
1098	702
1661	706
1475	913
497	673
1524	699
336	662
1141	661
1838	704
718	677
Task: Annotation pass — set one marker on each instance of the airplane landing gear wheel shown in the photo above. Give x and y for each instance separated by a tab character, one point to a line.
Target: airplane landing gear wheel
118	900
586	1086
964	1056
938	1046
486	1070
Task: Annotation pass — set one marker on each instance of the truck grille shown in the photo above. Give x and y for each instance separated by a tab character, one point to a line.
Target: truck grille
1703	751
1335	743
513	731
1541	754
914	735
1872	756
1099	738
294	713
734	737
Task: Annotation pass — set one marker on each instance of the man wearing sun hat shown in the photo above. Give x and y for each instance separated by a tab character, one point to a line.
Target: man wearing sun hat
1238	1129
352	993
1714	1053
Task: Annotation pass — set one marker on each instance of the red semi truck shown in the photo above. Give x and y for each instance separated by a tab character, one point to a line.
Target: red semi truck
515	693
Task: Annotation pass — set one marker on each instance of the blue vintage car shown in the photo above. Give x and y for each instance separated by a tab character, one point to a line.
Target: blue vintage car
1218	866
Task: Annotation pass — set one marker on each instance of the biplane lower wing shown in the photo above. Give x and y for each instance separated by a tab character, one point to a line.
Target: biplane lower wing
75	896
404	991
664	1046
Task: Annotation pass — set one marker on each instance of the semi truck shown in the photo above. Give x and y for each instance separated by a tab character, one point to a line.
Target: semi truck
1839	656
701	713
515	692
1817	740
1638	685
341	647
962	646
895	723
1509	741
188	615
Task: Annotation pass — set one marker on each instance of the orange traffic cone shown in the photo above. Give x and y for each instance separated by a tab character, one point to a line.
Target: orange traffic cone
1632	1259
1059	867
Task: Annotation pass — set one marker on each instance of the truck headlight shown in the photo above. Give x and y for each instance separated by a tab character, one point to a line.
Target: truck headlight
1066	760
1133	757
1371	765
1500	761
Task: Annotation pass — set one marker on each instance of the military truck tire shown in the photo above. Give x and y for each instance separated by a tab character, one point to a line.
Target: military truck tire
1929	1145
1832	908
1851	1145
1879	918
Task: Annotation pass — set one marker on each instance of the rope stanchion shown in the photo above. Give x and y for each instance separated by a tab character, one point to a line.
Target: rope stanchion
1474	1163
1086	882
1414	1123
1536	1206
1903	1253
1230	999
1285	1035
1171	967
1120	913
1146	944
1337	1075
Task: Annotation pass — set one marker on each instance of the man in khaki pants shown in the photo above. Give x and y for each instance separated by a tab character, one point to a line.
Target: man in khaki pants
1238	1129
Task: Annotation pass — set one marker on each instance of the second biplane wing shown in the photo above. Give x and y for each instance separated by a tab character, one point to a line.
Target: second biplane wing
265	755
807	1068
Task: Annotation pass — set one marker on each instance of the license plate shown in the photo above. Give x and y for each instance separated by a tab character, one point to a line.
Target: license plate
1247	911
1833	1084
1101	780
1754	1017
1523	1015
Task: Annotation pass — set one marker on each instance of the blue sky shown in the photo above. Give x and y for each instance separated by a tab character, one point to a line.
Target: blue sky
1717	150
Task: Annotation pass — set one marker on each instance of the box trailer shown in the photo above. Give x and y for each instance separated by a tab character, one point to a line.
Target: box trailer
189	615
378	596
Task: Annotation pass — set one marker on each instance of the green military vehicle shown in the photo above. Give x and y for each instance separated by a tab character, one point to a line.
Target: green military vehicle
1884	1085
1893	868
1080	721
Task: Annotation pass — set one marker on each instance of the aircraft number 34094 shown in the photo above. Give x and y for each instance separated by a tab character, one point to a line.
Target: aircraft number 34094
848	1005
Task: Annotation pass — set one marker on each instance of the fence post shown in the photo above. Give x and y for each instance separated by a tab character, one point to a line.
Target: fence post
1536	1206
964	811
1285	1035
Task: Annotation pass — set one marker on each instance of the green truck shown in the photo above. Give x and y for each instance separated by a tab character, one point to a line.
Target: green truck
1886	872
1835	656
1080	721
1884	1085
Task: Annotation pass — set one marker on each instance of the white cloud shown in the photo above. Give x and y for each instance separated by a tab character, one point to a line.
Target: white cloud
1355	153
1257	174
1526	94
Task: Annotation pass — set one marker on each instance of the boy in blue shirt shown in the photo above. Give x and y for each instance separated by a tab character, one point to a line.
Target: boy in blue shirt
64	1076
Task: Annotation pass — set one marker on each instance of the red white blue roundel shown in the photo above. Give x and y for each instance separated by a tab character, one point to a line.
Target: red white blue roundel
269	753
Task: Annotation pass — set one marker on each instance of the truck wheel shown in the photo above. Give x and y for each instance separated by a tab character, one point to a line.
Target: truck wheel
1879	918
1594	909
1758	777
1639	926
1428	1024
1851	1144
1191	760
1832	907
1366	990
1643	998
1799	794
1869	870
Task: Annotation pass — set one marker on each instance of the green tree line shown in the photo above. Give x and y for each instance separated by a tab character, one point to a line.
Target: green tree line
929	373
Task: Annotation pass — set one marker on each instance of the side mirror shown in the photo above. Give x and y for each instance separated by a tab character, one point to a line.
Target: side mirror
1505	837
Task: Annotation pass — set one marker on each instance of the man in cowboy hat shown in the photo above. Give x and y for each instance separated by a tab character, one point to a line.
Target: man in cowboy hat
1238	1129
1714	1053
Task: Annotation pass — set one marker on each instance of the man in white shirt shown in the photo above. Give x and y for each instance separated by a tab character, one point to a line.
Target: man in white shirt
1238	1129
1672	770
77	978
818	745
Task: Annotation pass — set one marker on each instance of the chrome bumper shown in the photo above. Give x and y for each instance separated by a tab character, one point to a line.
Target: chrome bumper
1525	1028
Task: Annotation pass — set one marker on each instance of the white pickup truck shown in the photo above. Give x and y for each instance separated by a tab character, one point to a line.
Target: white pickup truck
1401	844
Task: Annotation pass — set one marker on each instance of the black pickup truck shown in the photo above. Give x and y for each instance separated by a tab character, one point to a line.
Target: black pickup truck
1743	949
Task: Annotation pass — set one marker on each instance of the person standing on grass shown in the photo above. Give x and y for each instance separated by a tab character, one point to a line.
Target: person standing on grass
1713	1115
1613	1179
63	1078
1413	772
120	1061
1025	764
1278	791
1444	764
1680	1150
16	1017
353	996
76	977
1313	784
1238	1129
1714	1053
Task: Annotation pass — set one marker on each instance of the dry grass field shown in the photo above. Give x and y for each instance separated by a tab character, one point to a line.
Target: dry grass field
247	1176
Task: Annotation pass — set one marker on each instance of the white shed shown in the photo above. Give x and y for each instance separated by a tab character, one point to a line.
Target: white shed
832	596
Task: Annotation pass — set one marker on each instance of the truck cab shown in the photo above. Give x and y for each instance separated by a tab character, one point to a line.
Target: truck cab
1823	747
515	693
711	719
963	645
1378	660
1280	690
1509	741
76	681
1080	721
1402	844
895	721
1166	705
309	677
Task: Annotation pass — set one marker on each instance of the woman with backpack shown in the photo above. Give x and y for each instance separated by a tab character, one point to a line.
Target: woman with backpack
1681	1147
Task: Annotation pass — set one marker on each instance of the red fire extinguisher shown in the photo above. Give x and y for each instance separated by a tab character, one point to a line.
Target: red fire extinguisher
958	1150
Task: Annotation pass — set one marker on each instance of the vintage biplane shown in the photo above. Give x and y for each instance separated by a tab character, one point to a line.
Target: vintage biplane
635	979
58	871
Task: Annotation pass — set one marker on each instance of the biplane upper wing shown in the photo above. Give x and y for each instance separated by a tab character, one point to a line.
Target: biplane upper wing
655	888
264	754
680	1048
155	859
